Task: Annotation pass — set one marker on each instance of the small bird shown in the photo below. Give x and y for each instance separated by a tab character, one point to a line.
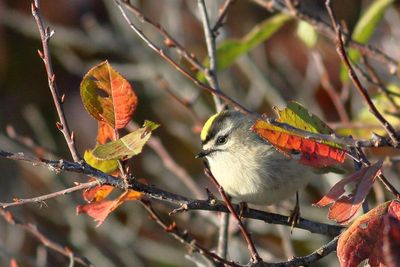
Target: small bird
249	168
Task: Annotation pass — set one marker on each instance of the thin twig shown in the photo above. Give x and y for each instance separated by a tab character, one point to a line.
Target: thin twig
41	199
184	237
222	248
379	84
311	258
26	141
187	74
188	104
45	35
211	73
169	40
329	89
43	239
222	16
353	76
182	202
255	257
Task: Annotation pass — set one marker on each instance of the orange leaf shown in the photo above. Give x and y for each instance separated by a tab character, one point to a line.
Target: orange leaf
97	193
374	236
346	206
101	209
105	133
133	195
108	96
313	153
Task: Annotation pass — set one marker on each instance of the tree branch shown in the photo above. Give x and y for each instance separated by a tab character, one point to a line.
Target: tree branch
41	199
183	203
45	35
33	230
211	73
179	68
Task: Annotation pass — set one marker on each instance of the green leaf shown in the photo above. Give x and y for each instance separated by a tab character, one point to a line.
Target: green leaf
229	50
364	29
128	146
106	166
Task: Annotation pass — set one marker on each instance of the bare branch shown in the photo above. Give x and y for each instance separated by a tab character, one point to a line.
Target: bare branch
222	16
353	76
169	40
211	73
33	230
184	237
327	30
41	199
45	36
255	257
179	68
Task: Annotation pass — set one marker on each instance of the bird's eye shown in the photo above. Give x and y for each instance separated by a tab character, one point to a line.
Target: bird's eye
221	140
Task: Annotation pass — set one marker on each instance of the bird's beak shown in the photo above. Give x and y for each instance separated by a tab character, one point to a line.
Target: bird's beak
202	154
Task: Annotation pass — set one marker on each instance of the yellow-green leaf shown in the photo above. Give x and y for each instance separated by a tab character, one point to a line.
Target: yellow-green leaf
107	166
128	146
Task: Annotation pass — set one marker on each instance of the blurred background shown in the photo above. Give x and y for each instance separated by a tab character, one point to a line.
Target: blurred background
294	63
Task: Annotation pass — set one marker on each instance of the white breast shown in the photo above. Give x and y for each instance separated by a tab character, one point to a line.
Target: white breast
246	180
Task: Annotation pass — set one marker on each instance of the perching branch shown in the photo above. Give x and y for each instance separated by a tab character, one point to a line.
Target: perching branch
182	203
255	257
45	35
184	237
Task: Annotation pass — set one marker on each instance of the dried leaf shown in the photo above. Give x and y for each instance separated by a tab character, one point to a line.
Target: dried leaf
128	146
108	96
313	153
346	206
373	236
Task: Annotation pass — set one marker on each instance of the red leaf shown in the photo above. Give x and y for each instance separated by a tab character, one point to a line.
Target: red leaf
101	209
346	206
374	236
13	263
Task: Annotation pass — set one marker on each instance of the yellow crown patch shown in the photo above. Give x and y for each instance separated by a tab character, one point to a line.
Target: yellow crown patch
206	127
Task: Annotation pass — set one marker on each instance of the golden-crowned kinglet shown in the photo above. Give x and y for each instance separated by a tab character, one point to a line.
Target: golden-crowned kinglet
245	165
